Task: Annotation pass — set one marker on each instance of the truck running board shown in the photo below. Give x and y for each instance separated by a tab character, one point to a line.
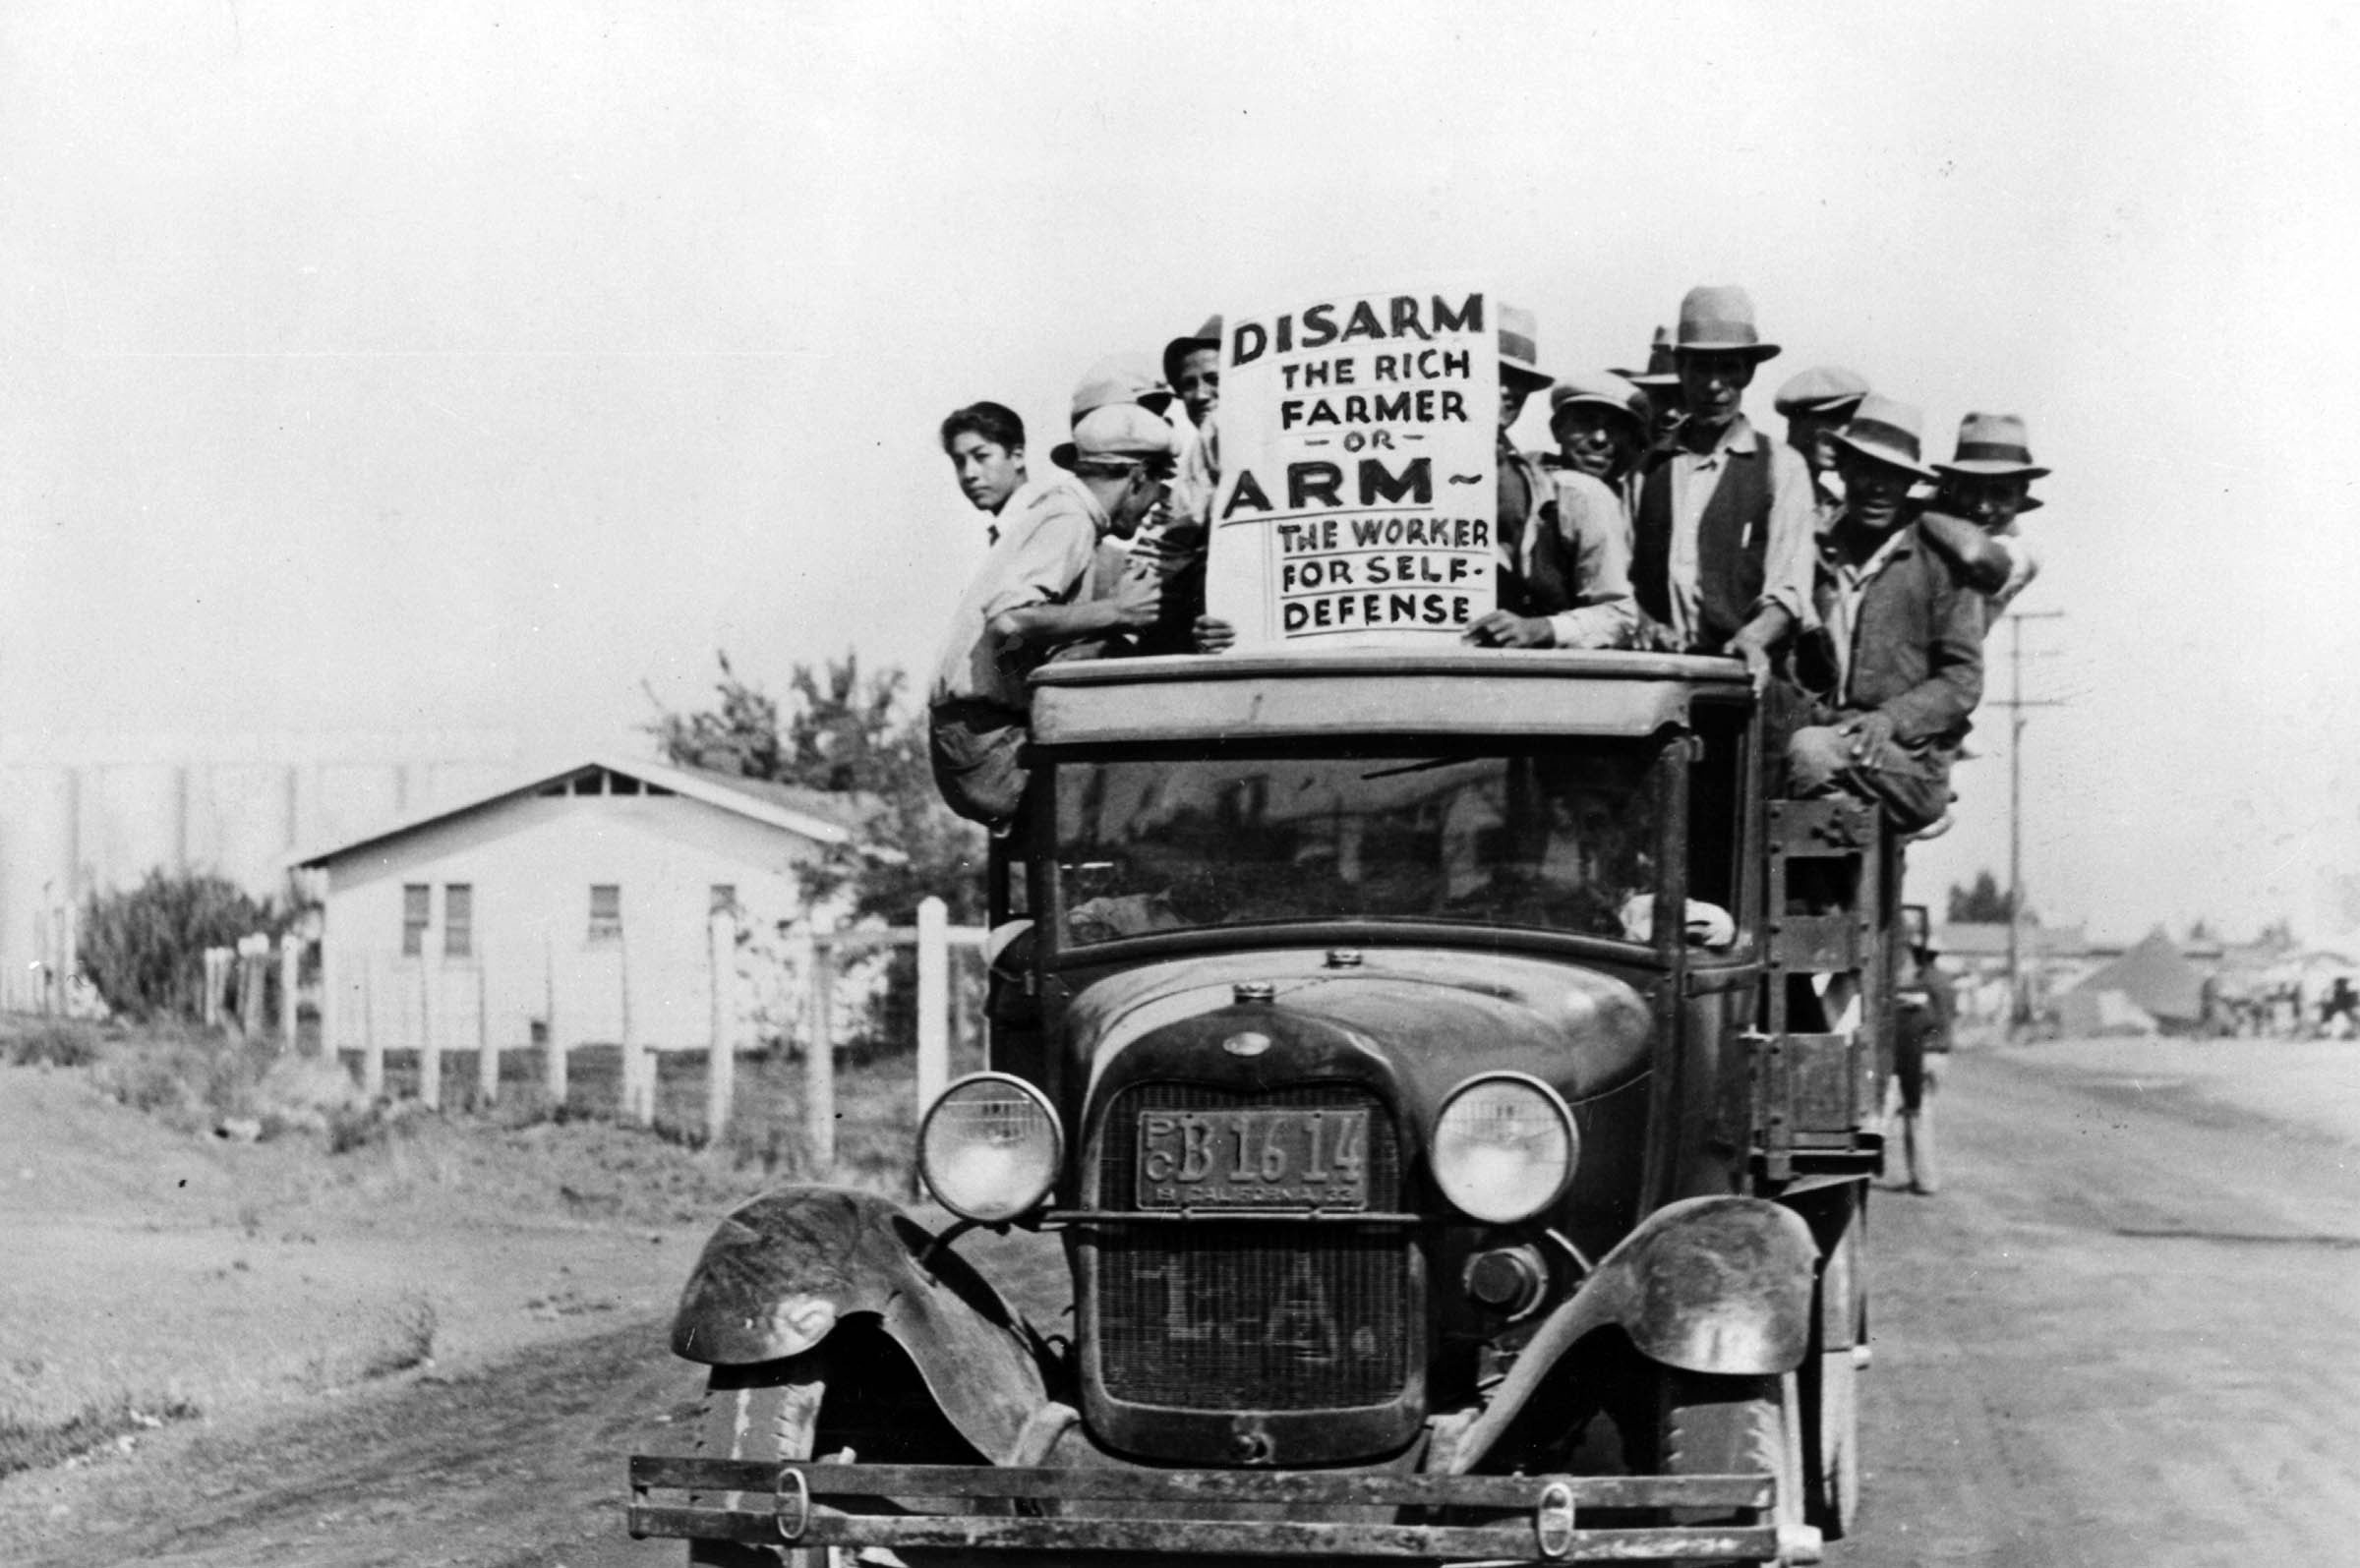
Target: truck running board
1015	1509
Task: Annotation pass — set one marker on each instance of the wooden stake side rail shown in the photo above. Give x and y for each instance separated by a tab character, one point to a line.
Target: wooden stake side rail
774	1504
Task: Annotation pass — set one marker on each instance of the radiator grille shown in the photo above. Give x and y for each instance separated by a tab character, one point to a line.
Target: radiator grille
1218	1315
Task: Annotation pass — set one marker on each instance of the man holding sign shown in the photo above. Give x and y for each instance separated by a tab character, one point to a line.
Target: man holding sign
1363	500
1564	549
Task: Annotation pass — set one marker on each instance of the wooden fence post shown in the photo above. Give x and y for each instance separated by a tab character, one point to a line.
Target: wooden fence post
721	1059
290	973
430	1036
373	1041
819	1050
638	1065
553	1060
933	1001
254	968
486	1055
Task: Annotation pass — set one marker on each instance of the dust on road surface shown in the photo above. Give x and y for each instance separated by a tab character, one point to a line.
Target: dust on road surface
2127	1332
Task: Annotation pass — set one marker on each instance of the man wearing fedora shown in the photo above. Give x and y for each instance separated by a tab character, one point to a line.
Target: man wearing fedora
1030	597
1563	553
1720	547
1896	663
1985	488
1815	403
1660	380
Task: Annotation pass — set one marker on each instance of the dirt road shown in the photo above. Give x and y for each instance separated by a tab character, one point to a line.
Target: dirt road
2127	1332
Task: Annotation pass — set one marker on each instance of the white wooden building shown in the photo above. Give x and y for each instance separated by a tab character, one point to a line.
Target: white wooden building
573	907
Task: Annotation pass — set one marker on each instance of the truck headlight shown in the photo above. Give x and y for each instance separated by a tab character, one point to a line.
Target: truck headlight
991	1147
1504	1147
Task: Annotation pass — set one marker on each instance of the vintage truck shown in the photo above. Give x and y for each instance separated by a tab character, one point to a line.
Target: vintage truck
1455	1082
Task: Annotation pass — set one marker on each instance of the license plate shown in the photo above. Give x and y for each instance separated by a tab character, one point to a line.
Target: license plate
1254	1159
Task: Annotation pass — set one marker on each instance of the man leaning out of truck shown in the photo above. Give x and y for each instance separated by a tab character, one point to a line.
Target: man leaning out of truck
1896	665
1031	598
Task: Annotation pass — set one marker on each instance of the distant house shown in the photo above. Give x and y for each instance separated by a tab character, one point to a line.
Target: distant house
577	902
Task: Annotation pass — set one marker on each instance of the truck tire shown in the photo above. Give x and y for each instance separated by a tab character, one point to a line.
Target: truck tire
1711	1425
768	1412
1830	1379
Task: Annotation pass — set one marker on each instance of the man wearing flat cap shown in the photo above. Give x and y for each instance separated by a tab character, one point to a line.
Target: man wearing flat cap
1721	549
1031	598
1896	662
1974	518
1817	402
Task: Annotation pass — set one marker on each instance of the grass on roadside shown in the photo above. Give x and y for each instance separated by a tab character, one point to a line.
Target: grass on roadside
33	1445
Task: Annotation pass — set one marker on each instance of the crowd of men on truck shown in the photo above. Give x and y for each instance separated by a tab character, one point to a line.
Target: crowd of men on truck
1855	578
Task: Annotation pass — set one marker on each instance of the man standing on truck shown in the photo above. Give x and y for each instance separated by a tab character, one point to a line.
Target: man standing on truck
1563	551
1896	665
1029	598
1974	521
1721	552
1817	402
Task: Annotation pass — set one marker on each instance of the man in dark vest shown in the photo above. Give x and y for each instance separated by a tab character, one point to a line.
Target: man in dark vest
1896	661
1721	550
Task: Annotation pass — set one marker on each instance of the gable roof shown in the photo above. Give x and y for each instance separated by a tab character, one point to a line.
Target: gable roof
835	819
2155	975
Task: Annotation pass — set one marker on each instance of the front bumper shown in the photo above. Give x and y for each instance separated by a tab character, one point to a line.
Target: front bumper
1013	1512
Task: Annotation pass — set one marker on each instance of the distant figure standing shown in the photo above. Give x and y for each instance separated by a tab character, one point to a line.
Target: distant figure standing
1921	1035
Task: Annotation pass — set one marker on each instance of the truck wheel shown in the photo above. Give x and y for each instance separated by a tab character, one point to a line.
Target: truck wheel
1712	1425
767	1411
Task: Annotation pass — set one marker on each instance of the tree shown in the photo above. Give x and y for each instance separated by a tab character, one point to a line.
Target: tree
849	734
144	948
1982	903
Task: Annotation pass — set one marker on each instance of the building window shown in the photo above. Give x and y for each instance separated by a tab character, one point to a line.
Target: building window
606	911
416	909
459	920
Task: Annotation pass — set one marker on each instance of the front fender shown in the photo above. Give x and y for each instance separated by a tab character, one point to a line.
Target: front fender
783	1269
1717	1285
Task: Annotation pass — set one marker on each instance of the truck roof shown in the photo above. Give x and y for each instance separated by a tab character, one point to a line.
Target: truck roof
1468	691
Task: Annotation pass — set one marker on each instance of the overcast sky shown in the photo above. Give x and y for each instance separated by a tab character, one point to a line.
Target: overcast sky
374	366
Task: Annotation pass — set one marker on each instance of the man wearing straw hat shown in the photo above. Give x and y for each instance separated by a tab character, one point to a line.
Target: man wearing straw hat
1720	547
1897	662
1986	487
1029	598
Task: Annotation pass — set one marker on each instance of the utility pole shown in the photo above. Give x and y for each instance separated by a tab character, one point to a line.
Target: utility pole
2018	1006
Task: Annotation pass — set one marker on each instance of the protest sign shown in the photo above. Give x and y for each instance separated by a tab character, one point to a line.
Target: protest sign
1356	502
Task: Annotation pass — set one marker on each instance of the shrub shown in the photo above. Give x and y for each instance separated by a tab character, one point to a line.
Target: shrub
55	1043
144	948
35	1445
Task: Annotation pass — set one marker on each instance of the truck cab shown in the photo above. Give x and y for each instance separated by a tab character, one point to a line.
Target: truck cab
1451	1079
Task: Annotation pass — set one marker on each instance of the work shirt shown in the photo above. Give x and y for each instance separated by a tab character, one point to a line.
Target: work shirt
2024	565
1048	542
1199	472
1563	548
1840	600
1787	560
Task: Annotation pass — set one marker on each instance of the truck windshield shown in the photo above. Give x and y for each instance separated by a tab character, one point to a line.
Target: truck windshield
1558	836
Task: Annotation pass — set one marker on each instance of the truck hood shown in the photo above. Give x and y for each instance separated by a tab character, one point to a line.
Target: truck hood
1430	1016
